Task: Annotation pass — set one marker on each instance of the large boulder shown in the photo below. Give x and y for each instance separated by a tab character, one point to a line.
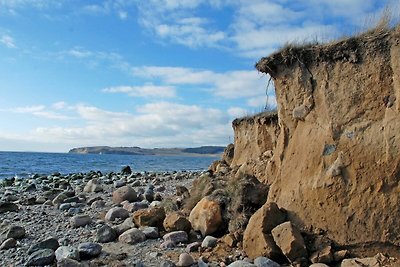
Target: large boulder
206	216
124	193
257	239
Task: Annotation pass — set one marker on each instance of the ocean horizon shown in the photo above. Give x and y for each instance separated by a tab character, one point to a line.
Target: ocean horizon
26	164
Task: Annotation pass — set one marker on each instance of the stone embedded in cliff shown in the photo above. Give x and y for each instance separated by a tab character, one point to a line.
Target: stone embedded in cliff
206	216
257	238
288	238
354	84
124	193
228	154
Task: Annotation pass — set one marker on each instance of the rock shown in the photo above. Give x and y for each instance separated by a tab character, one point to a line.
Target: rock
230	240
150	232
257	238
182	191
209	242
59	199
126	170
176	237
202	263
106	234
339	255
68	263
65	206
192	247
49	243
318	265
8	243
16	232
185	260
116	213
126	225
265	262
124	193
322	256
167	245
206	216
66	252
167	263
132	236
93	186
149	195
98	204
289	240
241	263
89	250
119	183
176	222
8	207
153	216
132	207
80	220
41	258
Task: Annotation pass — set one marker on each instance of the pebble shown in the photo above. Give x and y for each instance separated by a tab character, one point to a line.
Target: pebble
185	259
241	263
209	242
116	213
41	258
8	207
167	263
8	243
68	263
167	245
16	232
89	250
192	247
80	220
66	252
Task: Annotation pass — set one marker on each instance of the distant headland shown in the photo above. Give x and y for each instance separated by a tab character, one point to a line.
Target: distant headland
195	151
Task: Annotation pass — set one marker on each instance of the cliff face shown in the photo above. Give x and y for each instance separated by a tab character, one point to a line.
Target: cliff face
335	163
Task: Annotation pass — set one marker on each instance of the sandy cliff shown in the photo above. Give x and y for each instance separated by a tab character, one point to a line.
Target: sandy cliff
332	155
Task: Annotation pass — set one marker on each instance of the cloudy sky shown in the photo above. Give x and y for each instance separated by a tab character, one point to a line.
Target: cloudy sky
149	73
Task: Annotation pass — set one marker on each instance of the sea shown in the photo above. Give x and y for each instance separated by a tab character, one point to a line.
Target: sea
25	164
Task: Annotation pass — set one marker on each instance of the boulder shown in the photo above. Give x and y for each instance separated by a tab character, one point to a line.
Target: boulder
289	240
93	186
126	225
176	222
49	243
16	232
257	238
106	234
89	250
206	216
41	258
116	213
176	237
153	216
65	252
209	242
132	236
124	193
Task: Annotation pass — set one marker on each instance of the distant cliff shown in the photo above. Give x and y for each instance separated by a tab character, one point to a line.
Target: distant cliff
203	150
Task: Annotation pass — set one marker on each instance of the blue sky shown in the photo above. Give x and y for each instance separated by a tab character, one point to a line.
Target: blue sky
165	73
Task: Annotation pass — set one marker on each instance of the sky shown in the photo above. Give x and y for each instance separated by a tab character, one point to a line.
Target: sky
149	73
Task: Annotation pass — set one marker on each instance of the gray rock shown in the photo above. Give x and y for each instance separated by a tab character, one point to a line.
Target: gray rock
68	263
132	236
93	186
65	206
126	170
125	226
209	242
41	258
49	243
185	259
241	264
116	213
106	234
98	204
66	252
89	250
201	263
59	199
149	195
192	247
265	262
8	207
119	183
167	245
167	263
16	232
150	232
176	237
80	220
8	243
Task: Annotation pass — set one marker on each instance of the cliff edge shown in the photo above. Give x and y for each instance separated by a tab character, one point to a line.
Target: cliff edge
335	163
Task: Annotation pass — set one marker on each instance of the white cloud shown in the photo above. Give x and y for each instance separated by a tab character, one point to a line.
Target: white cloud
8	41
237	112
148	90
123	15
262	102
40	111
230	85
79	53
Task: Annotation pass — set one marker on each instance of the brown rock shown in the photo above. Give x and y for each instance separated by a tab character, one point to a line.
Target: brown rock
176	222
153	216
288	238
206	216
322	256
124	193
257	239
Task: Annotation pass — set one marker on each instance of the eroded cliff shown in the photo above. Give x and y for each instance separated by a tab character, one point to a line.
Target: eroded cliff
336	163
